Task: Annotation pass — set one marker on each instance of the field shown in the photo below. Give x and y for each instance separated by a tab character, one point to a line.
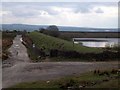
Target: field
103	79
48	42
72	34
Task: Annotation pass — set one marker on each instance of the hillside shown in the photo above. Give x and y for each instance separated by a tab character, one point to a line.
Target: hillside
49	42
30	28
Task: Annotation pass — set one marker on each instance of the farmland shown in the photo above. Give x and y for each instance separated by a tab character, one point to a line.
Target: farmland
77	34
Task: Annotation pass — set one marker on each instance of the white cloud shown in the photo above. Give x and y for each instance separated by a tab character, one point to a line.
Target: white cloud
61	9
2	13
60	1
43	13
87	15
99	10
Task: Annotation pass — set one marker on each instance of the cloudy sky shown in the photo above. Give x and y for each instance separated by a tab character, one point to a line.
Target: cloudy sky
81	14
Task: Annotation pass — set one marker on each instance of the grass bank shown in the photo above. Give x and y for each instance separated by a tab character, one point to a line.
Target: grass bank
56	49
48	42
7	41
93	79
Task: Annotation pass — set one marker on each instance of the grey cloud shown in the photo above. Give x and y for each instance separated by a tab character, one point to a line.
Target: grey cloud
83	9
88	6
99	10
29	9
23	13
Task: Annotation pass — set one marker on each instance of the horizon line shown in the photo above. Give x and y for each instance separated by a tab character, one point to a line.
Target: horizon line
61	25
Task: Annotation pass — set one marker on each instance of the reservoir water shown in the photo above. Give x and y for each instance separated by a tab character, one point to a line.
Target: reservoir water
97	42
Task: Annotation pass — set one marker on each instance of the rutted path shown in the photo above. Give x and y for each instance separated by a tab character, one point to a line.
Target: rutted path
21	70
18	53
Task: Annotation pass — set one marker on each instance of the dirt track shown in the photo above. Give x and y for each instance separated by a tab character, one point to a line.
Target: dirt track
19	68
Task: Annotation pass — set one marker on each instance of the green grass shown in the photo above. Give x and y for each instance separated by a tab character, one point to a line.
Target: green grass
32	55
111	83
75	80
8	35
42	40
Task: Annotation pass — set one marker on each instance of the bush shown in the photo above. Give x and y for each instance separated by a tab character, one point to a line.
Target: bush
106	55
53	53
114	71
51	30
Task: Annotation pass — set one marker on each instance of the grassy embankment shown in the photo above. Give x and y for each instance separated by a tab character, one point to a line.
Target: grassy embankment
7	41
103	79
48	42
55	43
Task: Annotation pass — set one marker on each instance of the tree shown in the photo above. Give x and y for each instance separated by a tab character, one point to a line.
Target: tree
15	31
41	30
53	31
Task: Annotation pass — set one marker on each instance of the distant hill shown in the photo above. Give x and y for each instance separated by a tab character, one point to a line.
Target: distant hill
22	27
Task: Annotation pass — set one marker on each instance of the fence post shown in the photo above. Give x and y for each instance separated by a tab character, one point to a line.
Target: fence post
73	42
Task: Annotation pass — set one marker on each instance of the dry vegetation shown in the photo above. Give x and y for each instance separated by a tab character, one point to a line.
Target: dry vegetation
7	41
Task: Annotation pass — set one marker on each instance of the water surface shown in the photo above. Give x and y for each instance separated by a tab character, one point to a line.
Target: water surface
97	42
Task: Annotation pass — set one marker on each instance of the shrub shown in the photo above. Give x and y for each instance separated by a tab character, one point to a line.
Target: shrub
51	30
